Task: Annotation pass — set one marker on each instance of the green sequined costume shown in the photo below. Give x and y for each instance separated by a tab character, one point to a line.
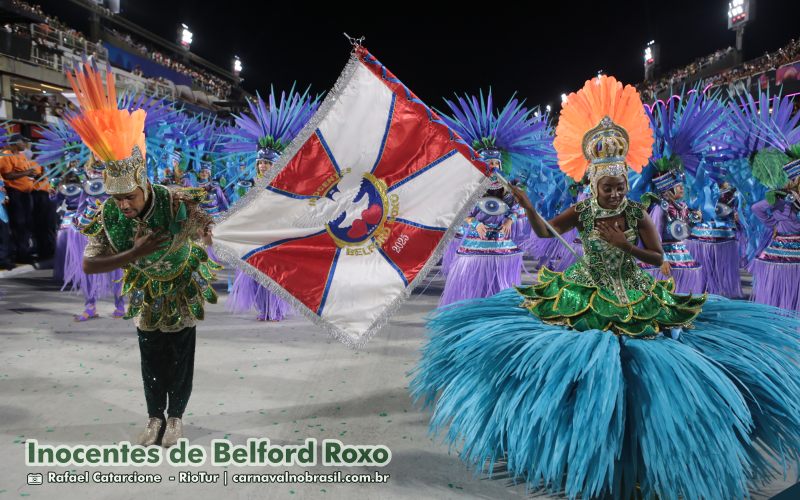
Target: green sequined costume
606	289
167	288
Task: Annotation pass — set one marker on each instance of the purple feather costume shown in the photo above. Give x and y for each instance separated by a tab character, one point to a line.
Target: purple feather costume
716	247
70	206
265	134
450	252
776	270
93	286
686	271
484	267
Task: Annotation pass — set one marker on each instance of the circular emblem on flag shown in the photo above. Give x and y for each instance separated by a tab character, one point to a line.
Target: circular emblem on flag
364	217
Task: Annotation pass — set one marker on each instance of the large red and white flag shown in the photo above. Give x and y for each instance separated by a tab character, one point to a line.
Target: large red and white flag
359	207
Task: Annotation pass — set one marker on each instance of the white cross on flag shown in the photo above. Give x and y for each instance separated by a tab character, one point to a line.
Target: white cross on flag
359	207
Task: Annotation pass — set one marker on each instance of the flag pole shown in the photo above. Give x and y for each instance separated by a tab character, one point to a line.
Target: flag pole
549	227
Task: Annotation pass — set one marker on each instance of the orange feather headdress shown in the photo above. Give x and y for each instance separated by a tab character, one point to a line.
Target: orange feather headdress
603	129
115	136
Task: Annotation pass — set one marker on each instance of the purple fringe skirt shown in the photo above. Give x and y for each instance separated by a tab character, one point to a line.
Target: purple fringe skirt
776	273
481	276
60	256
450	254
246	294
93	286
720	266
776	284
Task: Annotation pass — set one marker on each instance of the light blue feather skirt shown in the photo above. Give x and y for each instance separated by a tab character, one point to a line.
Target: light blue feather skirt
713	414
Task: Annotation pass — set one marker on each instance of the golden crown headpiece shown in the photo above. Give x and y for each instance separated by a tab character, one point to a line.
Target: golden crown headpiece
605	147
124	176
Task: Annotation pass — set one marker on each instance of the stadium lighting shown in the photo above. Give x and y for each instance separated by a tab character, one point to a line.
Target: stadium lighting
185	36
237	65
547	108
563	98
652	54
740	13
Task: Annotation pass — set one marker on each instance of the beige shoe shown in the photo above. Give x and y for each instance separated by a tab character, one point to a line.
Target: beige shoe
152	433
173	433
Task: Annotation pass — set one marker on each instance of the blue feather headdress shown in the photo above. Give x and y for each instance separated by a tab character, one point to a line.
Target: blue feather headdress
771	129
691	130
511	133
271	125
60	146
187	138
520	137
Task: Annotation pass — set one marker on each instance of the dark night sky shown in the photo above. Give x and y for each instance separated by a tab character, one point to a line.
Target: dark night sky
511	47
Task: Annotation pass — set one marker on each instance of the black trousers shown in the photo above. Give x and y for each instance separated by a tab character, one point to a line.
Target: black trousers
44	224
20	218
167	370
5	247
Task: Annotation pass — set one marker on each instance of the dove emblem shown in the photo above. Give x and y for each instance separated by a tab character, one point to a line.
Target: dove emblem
352	216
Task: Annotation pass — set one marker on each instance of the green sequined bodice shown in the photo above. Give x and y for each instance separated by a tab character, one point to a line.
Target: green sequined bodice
603	264
606	289
169	286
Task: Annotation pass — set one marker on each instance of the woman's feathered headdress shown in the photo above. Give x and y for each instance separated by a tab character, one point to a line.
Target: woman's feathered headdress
603	130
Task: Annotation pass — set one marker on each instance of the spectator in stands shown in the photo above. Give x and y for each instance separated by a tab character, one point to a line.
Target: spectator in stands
769	61
77	41
211	84
41	103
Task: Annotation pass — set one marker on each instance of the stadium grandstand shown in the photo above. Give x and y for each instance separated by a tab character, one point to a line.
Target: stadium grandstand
37	46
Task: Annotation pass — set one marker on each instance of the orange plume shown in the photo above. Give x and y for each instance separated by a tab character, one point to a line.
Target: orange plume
600	97
110	132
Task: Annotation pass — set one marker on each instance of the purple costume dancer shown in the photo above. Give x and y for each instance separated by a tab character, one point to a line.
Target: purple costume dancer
67	199
215	203
488	261
689	130
450	252
673	219
93	286
246	293
716	248
773	128
776	271
511	137
268	132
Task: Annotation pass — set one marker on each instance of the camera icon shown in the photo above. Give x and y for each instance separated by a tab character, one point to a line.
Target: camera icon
35	479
